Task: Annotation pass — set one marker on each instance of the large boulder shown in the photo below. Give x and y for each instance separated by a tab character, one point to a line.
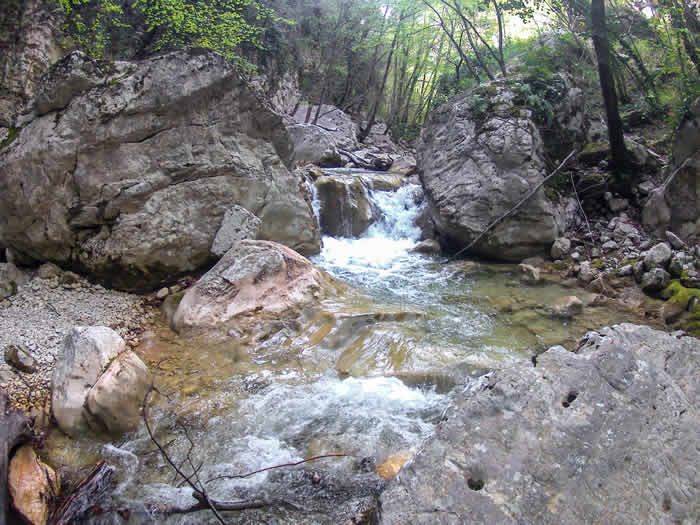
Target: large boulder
321	143
608	435
260	277
97	384
676	206
480	154
130	173
346	210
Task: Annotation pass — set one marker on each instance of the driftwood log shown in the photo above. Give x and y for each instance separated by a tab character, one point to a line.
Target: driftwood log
84	496
14	430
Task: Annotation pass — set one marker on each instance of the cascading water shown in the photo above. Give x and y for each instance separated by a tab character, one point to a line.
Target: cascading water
369	376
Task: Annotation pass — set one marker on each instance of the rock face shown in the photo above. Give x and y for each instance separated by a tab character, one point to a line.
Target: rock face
480	154
238	224
608	435
676	207
97	383
32	486
130	173
346	210
11	278
254	276
30	37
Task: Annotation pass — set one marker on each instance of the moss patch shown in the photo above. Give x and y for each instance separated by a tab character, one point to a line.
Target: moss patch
597	263
9	138
678	294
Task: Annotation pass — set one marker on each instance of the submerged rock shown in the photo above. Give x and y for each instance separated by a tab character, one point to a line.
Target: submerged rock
258	277
520	445
125	170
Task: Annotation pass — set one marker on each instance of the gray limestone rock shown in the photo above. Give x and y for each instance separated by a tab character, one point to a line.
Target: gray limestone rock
676	206
609	246
11	278
675	241
86	354
131	180
625	270
253	278
607	435
560	248
477	165
586	273
655	280
658	256
237	224
346	210
675	267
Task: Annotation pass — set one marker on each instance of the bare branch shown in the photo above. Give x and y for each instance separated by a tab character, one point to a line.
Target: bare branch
516	207
249	474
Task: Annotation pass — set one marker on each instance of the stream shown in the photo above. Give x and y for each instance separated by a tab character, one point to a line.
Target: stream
368	375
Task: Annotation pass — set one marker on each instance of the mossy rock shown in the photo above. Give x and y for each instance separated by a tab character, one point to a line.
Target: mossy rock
676	293
597	264
594	152
9	138
691	324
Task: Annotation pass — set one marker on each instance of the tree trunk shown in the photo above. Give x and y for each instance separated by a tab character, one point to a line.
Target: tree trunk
364	132
607	86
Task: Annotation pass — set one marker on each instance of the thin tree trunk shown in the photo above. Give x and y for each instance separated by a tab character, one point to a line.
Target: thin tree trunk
607	86
375	107
458	47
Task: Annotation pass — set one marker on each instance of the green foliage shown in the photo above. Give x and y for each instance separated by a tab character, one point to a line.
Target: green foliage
479	105
535	99
225	26
9	138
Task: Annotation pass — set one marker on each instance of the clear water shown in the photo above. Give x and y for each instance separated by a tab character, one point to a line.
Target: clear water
367	375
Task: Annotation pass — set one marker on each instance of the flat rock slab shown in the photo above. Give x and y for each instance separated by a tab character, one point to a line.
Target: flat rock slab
607	435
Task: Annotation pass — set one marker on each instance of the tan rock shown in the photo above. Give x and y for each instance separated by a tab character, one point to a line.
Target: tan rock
116	398
390	467
568	307
254	276
529	274
427	246
32	486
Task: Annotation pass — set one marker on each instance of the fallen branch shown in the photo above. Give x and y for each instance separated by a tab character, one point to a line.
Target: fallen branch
516	207
284	465
670	178
588	225
203	501
84	496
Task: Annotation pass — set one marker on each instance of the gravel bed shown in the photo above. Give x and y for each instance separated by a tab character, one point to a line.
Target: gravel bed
41	314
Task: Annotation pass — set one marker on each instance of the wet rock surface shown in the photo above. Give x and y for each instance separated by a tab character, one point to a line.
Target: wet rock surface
570	440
